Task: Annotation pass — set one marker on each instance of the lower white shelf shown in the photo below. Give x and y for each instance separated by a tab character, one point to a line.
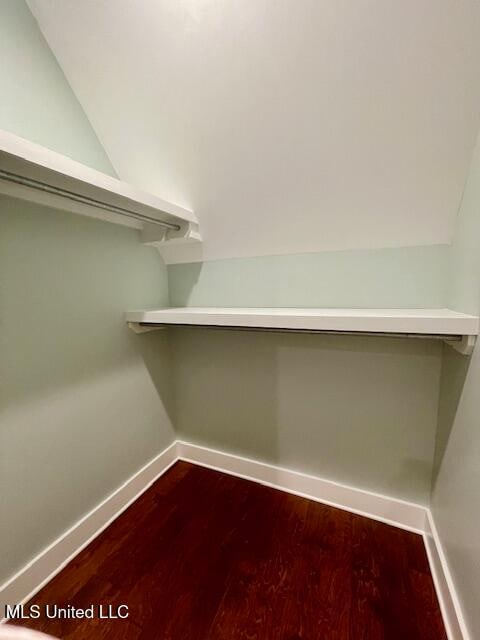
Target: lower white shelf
441	323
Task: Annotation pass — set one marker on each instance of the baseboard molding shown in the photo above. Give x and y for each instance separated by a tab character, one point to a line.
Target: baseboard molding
399	513
444	585
31	578
406	515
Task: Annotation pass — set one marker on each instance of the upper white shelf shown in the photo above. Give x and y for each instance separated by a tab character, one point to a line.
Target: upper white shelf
441	322
32	172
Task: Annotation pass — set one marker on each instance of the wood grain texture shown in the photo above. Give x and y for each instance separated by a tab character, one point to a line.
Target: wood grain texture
203	555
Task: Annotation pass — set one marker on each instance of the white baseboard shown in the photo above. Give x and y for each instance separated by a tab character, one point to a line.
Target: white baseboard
31	578
444	585
399	513
406	515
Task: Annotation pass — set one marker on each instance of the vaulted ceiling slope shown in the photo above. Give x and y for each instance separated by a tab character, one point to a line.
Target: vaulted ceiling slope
287	125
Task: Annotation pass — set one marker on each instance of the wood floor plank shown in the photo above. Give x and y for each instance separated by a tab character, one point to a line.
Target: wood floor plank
207	556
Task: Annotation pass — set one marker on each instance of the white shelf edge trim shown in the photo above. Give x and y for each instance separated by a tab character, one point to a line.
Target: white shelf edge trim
406	515
457	329
20	158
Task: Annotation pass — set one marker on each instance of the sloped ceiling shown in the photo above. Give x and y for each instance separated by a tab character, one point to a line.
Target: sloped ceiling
287	125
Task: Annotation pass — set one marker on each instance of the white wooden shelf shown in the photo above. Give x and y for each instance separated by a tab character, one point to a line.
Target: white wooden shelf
439	323
31	172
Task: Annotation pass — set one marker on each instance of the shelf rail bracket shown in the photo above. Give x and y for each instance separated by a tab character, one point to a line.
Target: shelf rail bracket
186	233
464	346
138	328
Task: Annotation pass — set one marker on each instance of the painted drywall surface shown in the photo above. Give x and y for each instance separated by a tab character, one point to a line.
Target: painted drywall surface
36	101
84	402
361	411
279	123
403	277
456	483
464	293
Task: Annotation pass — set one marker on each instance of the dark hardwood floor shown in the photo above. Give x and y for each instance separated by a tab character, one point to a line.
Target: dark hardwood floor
206	556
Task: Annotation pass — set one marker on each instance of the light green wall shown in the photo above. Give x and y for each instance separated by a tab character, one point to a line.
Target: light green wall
456	485
356	410
401	277
361	411
84	403
36	101
464	291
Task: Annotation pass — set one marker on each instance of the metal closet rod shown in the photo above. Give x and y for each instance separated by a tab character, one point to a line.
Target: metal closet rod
76	197
375	334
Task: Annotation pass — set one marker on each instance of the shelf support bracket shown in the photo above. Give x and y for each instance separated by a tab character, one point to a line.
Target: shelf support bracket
138	328
464	346
187	233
